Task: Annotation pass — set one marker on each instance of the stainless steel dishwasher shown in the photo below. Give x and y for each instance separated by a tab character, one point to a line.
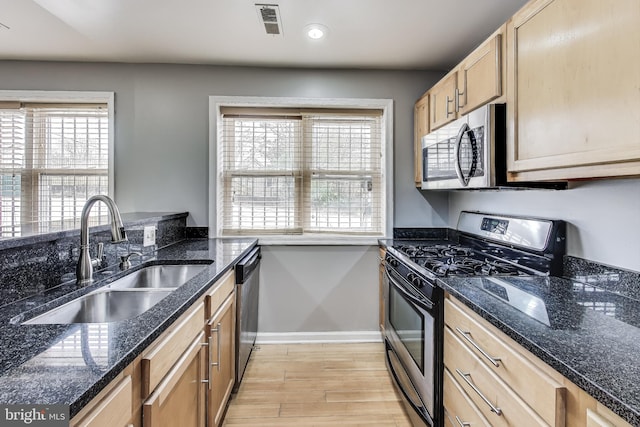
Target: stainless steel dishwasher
247	291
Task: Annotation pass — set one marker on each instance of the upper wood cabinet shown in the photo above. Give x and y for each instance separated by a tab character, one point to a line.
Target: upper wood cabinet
480	75
573	89
421	128
442	109
474	82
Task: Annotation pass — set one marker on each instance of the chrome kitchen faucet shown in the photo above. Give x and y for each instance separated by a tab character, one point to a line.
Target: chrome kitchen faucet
84	269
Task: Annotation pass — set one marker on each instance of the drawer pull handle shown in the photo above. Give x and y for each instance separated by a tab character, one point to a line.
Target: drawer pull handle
462	423
467	336
218	331
464	376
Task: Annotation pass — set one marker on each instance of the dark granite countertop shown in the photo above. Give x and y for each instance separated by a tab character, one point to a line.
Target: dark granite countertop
70	364
592	336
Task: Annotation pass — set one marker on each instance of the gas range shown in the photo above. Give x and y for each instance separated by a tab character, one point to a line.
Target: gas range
496	253
488	245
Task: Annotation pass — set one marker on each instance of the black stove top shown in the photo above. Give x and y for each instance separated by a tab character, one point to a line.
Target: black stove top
453	260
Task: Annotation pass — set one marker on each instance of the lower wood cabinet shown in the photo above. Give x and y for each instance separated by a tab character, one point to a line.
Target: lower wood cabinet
381	288
115	409
179	398
221	361
184	378
486	372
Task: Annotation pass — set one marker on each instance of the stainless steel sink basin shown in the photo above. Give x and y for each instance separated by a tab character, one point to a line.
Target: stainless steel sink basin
102	306
158	276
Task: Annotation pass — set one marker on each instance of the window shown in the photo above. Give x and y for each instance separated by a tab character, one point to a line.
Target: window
53	157
309	172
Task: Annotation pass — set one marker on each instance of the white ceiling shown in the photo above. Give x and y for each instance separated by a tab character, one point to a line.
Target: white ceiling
401	34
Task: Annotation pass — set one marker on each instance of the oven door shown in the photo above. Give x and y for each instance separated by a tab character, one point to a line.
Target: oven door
410	328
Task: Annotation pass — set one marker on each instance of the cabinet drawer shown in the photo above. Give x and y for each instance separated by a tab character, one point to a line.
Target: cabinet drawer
497	402
163	354
545	395
459	406
219	292
112	411
179	398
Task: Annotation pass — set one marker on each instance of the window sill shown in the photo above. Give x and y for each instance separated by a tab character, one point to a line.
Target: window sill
318	241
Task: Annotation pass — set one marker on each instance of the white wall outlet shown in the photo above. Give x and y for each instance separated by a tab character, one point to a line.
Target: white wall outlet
149	236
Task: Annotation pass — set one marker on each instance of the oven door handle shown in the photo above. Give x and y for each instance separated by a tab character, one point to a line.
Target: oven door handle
413	296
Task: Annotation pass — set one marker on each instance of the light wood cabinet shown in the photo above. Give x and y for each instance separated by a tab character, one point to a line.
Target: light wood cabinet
601	416
158	359
572	90
442	109
115	409
539	386
421	128
477	80
541	392
221	361
381	289
173	381
480	75
499	404
179	398
459	406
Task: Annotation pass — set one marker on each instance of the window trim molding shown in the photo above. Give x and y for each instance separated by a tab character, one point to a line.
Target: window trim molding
216	103
68	96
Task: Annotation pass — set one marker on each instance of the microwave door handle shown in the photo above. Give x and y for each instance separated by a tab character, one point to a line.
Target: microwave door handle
464	129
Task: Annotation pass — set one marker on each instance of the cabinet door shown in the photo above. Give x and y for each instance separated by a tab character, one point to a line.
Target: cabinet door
572	89
421	128
480	76
221	363
179	398
115	410
442	109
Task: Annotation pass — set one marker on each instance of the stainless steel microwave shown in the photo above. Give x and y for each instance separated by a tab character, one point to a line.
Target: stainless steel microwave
471	154
468	153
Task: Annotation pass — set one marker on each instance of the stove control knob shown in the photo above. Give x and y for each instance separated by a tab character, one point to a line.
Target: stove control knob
415	280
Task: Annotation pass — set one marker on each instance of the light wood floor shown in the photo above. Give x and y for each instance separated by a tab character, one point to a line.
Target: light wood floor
317	385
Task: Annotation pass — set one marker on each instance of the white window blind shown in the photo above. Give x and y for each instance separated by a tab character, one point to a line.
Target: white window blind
301	172
53	157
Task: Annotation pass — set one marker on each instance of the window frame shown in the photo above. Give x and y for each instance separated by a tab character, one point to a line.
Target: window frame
71	97
216	103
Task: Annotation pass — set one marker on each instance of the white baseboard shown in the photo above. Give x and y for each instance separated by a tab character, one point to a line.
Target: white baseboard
318	337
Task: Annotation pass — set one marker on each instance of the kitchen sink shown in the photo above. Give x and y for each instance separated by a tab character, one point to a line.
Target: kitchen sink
102	306
123	298
158	276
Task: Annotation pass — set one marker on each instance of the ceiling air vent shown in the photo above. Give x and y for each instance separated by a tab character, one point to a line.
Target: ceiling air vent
269	15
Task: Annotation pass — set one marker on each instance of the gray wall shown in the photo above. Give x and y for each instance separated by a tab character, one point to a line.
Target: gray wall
162	123
161	152
603	216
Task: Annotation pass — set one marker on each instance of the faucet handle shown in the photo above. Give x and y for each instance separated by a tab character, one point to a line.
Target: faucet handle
97	261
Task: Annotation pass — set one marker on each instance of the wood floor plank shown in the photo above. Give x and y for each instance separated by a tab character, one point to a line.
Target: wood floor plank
320	385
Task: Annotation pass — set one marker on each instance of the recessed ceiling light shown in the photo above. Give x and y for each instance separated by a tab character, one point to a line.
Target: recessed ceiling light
316	31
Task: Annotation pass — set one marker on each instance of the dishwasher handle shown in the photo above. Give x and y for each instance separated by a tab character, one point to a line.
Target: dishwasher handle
247	265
